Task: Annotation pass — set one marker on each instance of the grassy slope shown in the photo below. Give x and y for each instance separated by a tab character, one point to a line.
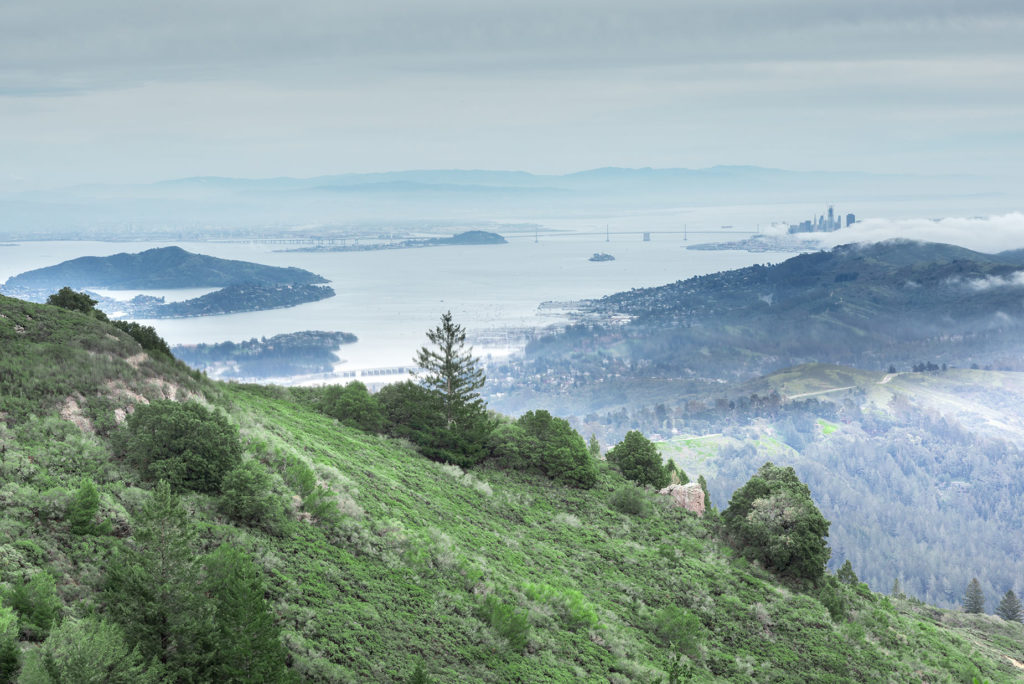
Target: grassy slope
405	573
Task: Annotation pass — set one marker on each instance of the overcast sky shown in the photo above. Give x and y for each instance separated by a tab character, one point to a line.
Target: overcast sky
130	91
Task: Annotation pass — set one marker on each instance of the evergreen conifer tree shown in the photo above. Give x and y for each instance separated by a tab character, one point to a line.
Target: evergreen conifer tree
83	507
974	599
708	507
452	370
846	575
245	642
453	375
151	588
1010	608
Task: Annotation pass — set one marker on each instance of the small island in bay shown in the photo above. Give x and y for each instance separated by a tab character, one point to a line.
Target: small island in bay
245	286
601	256
470	237
231	299
299	353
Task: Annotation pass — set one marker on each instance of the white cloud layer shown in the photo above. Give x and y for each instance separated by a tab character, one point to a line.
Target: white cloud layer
984	234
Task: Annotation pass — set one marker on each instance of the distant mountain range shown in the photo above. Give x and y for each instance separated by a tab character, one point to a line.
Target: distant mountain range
202	205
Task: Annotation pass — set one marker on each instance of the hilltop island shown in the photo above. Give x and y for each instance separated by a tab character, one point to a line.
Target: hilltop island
245	286
470	237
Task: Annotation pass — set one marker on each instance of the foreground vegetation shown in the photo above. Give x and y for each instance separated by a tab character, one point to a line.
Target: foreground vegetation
322	552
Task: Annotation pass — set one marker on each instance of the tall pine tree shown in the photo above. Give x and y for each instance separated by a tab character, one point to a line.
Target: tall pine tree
451	369
1010	608
245	643
454	376
974	598
151	588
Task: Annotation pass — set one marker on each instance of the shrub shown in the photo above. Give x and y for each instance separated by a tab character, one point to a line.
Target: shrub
573	609
66	298
509	623
37	605
680	630
317	500
247	498
354	406
88	650
551	446
631	501
638	459
145	335
186	444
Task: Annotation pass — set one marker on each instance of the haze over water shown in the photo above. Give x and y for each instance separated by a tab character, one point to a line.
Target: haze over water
389	298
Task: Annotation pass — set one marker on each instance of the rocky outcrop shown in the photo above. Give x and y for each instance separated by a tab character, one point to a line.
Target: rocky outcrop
689	496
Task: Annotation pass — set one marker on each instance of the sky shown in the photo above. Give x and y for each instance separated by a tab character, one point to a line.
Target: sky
122	91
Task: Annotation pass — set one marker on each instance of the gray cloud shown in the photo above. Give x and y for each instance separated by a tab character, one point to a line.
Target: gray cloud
64	43
129	90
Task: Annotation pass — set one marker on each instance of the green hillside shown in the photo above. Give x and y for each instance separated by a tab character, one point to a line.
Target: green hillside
372	560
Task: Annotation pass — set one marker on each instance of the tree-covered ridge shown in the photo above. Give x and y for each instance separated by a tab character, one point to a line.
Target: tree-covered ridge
862	306
236	298
160	268
372	560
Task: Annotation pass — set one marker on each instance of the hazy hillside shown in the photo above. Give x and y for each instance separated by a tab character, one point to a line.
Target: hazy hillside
381	559
894	303
920	472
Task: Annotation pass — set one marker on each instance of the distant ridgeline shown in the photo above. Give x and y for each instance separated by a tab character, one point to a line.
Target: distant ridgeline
299	353
245	286
470	237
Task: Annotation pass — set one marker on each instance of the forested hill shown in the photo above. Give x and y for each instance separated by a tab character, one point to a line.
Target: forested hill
291	547
868	306
161	268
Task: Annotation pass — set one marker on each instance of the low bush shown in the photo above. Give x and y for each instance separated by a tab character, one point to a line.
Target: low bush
631	501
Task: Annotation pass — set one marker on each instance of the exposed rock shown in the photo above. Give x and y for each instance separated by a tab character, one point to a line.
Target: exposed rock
689	496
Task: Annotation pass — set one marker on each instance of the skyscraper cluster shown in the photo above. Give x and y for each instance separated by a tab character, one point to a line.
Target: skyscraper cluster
826	223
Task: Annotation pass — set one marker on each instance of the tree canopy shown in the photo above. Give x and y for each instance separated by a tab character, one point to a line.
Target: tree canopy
186	444
354	406
66	298
773	520
550	445
638	460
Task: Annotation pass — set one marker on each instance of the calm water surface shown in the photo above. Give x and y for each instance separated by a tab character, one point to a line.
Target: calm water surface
390	298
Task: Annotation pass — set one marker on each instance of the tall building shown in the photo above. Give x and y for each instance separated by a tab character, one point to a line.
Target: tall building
850	218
